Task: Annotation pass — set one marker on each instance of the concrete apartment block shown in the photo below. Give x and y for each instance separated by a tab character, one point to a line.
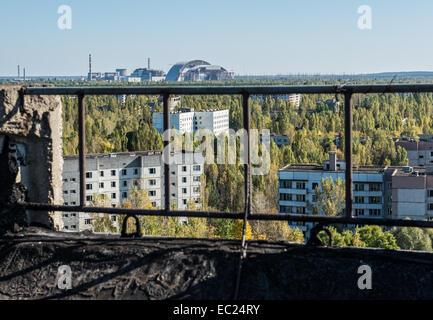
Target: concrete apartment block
31	133
371	189
116	175
216	121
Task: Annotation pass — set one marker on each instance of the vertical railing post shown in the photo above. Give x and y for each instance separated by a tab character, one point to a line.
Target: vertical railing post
82	147
348	152
166	154
248	195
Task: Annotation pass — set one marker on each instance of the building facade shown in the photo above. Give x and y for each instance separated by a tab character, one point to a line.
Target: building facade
372	189
216	121
116	175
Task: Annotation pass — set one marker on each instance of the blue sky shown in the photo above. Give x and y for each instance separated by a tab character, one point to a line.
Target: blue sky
245	36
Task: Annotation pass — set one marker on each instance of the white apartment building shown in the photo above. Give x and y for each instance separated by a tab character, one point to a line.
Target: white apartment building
216	121
372	189
116	175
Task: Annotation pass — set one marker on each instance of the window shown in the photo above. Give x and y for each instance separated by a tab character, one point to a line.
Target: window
359	199
315	185
101	174
65	215
73	227
374	212
196	178
124	172
430	193
196	168
87	221
375	187
300	185
73	179
73	214
89	198
300	197
89	186
101	185
184	180
66	203
73	191
300	210
113	184
421	156
359	212
152	170
152	193
73	203
184	201
287	184
88	175
124	195
430	206
286	209
152	182
375	200
113	196
184	169
154	204
65	191
114	218
135	171
135	182
113	173
196	189
183	190
359	187
314	198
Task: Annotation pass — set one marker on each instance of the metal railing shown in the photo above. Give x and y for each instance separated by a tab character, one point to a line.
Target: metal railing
245	92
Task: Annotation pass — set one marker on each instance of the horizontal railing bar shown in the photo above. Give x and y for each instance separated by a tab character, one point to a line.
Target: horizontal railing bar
240	215
230	90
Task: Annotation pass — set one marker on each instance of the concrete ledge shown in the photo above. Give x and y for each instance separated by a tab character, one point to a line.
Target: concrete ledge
166	268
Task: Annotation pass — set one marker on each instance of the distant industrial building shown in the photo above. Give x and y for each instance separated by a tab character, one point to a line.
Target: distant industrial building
188	120
116	175
198	70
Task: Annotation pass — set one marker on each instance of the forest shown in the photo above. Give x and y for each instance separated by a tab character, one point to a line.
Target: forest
313	128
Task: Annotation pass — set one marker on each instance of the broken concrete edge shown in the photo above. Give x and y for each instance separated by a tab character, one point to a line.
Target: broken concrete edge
37	234
33	128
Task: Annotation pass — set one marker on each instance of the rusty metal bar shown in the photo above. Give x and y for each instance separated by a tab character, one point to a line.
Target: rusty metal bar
348	152
230	90
82	147
238	215
166	155
247	187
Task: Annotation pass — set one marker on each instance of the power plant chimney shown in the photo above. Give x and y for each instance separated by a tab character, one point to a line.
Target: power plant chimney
89	77
148	63
24	73
18	71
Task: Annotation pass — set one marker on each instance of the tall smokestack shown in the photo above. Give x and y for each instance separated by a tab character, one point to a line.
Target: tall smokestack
148	63
90	68
24	73
18	71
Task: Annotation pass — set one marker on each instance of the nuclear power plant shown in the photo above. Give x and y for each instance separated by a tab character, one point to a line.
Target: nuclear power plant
194	70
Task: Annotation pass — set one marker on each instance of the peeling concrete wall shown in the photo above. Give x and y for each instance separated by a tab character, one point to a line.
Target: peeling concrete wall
32	133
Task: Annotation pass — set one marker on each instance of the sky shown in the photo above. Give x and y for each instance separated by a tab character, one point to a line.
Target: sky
245	36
